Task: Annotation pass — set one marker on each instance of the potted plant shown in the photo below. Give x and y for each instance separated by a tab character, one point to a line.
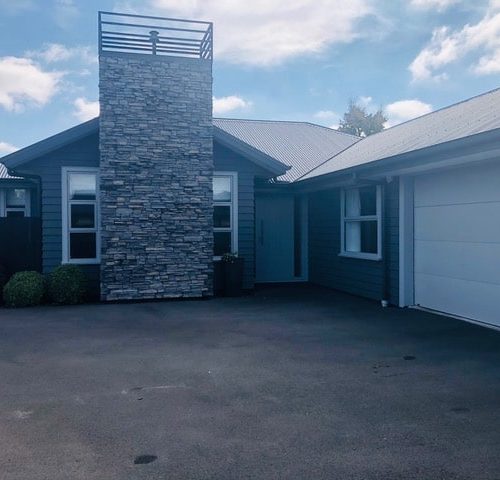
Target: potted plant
232	274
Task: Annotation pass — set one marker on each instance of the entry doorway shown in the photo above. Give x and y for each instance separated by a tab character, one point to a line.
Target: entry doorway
281	238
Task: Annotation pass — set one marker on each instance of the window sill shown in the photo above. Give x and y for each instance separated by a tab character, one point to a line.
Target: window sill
81	262
362	256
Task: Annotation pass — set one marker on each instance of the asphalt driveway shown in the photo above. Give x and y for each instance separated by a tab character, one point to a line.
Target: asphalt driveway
290	383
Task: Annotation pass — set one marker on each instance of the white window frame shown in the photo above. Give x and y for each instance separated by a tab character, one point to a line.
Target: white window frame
66	222
362	218
233	204
3	202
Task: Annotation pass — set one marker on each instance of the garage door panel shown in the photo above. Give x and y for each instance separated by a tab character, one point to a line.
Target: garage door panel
474	222
459	297
467	261
457	242
476	185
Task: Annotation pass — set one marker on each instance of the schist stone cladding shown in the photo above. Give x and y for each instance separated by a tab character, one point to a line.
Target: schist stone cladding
156	165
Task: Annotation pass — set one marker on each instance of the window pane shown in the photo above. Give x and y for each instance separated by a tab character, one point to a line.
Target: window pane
82	186
222	243
361	201
369	237
353	236
222	216
361	237
16	197
82	216
15	213
82	245
222	189
352	203
368	200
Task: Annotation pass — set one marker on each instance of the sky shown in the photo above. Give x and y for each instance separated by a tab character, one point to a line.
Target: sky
300	60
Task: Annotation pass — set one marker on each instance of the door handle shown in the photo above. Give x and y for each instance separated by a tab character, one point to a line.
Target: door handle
262	232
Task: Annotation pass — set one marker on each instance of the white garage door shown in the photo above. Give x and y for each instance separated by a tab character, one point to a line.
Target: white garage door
457	242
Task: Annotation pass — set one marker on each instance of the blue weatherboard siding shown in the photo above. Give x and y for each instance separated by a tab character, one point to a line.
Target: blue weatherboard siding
352	275
84	152
227	160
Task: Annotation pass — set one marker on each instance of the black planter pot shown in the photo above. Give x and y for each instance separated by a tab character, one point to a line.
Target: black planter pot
233	278
218	278
228	278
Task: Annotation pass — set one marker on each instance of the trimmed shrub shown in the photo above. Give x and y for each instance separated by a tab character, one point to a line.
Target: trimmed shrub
24	289
66	285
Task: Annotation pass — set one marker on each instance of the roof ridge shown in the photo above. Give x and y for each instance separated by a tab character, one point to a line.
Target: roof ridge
259	120
298	122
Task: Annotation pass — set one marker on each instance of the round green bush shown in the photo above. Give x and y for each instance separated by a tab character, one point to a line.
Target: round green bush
66	285
24	289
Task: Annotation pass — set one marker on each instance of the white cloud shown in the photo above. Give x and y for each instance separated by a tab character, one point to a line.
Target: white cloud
85	109
55	52
228	104
404	110
268	32
326	115
16	6
365	102
6	148
23	82
447	46
65	13
439	5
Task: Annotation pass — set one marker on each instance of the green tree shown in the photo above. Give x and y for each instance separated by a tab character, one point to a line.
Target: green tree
357	121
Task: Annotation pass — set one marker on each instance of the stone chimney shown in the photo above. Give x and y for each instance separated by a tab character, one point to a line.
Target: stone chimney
156	165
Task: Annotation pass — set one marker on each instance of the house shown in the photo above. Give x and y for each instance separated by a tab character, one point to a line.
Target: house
148	195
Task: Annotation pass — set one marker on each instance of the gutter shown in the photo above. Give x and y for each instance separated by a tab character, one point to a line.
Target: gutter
465	149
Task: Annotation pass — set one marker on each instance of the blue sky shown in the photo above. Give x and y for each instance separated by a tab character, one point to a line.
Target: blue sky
294	60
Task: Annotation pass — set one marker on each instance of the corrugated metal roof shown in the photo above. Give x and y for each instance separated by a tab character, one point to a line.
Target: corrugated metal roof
475	115
4	175
300	145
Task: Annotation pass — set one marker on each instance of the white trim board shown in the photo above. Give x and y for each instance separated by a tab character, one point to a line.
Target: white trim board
234	208
65	216
406	241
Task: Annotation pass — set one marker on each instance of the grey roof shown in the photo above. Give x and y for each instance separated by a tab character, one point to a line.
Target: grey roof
300	145
475	115
287	149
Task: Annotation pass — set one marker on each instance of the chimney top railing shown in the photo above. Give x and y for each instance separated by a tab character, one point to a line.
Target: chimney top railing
123	32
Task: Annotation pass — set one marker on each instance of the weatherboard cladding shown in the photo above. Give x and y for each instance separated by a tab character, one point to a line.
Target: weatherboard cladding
301	145
230	161
84	152
353	275
476	115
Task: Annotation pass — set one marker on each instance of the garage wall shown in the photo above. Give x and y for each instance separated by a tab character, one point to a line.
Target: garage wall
352	275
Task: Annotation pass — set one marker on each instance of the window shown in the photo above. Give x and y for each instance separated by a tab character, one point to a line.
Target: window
361	227
81	241
225	196
15	202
